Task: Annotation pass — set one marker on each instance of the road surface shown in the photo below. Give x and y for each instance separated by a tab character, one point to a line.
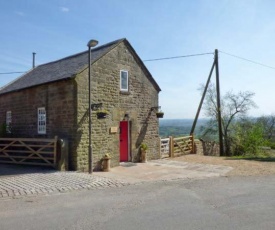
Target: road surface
214	203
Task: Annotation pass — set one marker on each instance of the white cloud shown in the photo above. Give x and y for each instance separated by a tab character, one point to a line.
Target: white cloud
64	9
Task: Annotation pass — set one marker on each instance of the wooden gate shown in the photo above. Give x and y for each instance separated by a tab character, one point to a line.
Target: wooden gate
182	145
164	147
29	151
176	146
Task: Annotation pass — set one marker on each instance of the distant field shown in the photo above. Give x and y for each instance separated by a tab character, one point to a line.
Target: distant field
179	127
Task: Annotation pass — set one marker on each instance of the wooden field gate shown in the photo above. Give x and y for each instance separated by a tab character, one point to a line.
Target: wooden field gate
29	151
176	146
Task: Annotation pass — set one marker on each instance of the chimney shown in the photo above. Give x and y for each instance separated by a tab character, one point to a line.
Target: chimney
33	60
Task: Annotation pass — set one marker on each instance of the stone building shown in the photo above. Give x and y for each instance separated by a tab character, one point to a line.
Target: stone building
52	99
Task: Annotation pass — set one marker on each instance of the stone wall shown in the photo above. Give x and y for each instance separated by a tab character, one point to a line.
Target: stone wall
59	102
198	147
207	148
136	103
55	97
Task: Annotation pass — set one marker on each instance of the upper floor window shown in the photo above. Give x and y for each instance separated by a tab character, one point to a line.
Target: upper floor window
41	123
124	81
8	121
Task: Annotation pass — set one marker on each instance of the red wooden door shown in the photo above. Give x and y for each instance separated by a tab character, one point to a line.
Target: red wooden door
124	139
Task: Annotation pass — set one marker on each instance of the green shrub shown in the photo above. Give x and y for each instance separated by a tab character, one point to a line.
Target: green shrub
249	140
143	146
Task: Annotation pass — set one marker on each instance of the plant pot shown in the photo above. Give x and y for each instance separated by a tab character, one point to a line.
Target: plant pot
101	115
159	115
143	156
106	164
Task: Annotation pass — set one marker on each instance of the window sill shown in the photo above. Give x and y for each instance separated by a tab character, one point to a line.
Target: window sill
124	92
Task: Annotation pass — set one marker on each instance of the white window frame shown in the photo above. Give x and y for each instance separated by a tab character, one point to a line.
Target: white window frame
41	120
123	89
8	121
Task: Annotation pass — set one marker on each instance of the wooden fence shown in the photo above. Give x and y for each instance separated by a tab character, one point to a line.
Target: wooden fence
172	147
29	151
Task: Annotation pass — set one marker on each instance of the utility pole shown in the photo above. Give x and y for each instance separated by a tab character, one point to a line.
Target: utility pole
216	65
219	102
202	99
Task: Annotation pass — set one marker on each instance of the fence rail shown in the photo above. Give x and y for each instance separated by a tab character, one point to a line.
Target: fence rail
29	151
171	147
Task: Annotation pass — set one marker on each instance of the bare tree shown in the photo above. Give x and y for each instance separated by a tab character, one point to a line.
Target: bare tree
232	106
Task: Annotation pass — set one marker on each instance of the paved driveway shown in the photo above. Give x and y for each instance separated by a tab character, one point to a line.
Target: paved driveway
164	169
16	181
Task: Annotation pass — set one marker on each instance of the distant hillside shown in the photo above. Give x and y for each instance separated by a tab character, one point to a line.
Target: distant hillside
178	127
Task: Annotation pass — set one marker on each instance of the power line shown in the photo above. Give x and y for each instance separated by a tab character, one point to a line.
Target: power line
12	72
183	56
248	60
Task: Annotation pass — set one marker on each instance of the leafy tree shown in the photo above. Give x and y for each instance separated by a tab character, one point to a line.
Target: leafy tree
268	124
232	106
248	137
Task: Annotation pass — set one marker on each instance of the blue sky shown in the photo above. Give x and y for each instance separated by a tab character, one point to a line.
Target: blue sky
156	28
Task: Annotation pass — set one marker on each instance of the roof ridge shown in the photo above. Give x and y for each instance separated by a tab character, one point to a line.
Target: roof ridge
83	52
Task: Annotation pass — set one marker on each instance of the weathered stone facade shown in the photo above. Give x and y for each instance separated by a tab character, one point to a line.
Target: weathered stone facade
58	100
137	103
66	104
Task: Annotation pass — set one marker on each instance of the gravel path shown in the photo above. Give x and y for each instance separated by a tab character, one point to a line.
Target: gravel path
240	167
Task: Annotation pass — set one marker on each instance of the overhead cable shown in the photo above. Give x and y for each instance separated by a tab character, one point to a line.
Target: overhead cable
186	56
183	56
12	72
248	60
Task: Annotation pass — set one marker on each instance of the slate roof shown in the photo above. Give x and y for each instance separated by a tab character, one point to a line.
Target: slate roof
64	68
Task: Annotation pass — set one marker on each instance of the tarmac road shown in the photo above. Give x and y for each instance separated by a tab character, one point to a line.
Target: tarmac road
212	203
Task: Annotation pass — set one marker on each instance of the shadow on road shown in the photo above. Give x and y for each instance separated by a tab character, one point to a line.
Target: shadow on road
10	170
262	159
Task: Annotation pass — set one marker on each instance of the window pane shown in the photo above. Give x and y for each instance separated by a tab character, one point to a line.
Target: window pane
41	121
8	121
124	80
